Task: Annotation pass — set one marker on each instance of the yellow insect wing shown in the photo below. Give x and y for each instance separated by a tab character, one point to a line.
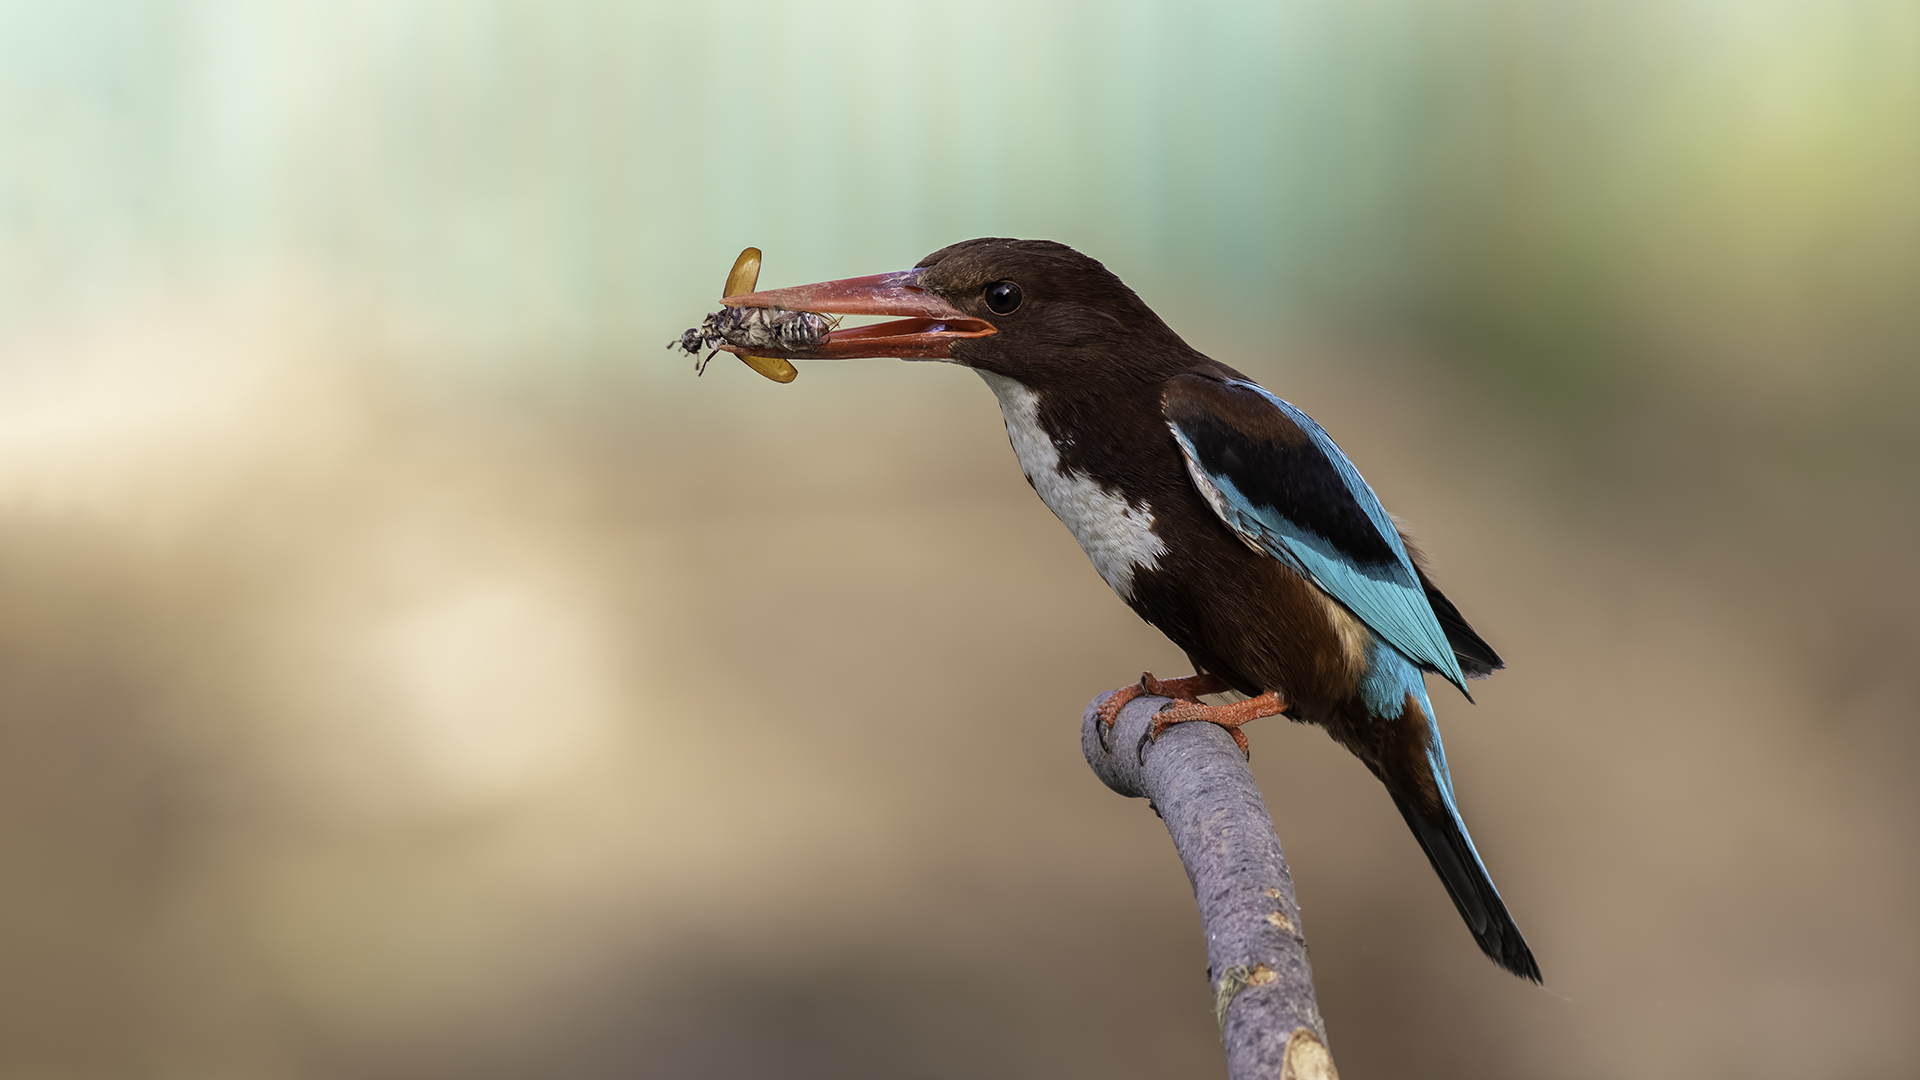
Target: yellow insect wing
773	367
741	279
745	273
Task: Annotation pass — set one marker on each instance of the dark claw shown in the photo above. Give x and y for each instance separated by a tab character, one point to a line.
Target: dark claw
1100	732
1140	752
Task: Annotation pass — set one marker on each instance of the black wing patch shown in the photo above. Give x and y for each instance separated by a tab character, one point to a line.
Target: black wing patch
1274	463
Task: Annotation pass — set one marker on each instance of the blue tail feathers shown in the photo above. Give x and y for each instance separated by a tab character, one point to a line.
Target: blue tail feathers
1415	772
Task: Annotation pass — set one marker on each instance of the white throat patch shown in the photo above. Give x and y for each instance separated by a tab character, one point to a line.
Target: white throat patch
1116	535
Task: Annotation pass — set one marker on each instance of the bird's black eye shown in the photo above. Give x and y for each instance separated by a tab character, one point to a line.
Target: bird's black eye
1003	297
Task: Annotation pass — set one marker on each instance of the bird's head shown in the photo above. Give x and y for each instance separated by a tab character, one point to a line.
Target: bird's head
1032	310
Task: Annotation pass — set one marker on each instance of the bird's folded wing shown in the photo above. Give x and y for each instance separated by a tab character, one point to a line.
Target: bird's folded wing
1277	479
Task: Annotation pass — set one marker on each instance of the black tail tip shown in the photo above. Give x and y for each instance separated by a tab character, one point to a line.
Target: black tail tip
1444	839
1514	955
1500	939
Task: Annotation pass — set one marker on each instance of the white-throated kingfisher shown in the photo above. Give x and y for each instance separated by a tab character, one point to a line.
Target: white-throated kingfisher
1221	514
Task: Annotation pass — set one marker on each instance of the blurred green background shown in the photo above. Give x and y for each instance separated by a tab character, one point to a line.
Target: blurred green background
408	668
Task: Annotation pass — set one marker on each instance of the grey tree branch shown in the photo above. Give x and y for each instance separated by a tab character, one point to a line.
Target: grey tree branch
1256	955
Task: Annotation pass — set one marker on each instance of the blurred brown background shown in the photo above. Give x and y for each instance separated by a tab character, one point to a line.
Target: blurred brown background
407	668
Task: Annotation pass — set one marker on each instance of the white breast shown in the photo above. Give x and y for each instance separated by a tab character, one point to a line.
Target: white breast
1117	535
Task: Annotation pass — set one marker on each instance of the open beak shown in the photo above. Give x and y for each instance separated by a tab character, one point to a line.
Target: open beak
928	331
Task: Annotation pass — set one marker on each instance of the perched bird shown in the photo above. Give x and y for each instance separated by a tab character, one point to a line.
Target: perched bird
1222	515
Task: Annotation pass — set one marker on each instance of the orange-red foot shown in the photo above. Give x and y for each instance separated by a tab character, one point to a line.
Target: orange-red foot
1187	689
1227	716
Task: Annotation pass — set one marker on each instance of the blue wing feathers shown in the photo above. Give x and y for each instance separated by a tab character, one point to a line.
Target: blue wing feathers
1309	508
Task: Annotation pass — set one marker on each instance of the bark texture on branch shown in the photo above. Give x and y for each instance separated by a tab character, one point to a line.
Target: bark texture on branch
1256	955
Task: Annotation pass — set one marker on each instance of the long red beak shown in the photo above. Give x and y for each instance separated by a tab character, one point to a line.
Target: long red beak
928	333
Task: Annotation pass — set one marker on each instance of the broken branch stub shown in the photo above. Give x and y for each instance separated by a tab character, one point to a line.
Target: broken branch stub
1199	783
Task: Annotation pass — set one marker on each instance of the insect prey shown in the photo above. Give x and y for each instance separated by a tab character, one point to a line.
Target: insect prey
755	328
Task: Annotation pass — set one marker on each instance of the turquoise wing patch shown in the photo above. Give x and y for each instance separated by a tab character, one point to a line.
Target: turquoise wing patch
1384	592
